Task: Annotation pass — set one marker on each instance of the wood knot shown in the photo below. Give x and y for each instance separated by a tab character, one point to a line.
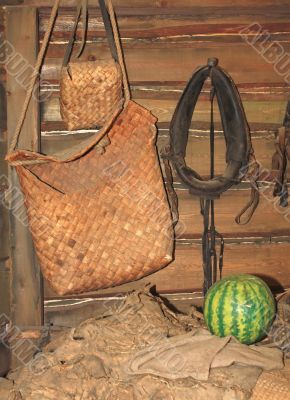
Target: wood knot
91	58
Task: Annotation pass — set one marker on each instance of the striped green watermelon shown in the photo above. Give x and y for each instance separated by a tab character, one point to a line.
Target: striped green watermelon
241	306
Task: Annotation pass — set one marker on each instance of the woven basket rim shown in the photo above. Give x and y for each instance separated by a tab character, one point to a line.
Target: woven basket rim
24	157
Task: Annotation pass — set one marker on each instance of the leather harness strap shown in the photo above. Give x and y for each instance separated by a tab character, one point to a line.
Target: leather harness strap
207	209
252	174
280	159
82	9
239	152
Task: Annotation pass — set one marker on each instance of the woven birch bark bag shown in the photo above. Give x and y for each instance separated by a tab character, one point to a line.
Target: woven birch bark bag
97	219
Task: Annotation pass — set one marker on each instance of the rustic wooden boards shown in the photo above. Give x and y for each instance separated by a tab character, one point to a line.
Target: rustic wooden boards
26	286
259	110
197	150
159	73
164	41
65	313
158	4
243	62
267	260
163	44
269	221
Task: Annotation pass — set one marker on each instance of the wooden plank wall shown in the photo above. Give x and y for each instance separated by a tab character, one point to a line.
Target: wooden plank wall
164	41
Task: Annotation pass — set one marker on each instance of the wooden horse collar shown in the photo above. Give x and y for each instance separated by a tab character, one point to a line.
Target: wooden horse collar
234	125
239	152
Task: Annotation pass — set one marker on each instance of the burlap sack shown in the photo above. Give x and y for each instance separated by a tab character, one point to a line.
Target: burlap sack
87	363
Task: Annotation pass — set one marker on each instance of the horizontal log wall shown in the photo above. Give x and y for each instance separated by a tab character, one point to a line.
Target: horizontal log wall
164	41
162	50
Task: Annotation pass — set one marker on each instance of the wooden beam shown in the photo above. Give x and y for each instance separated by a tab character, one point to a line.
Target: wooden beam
158	4
26	281
4	221
202	22
4	244
65	313
267	111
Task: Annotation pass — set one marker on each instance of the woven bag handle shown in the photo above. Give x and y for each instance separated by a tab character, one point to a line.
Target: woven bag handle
82	10
119	49
40	58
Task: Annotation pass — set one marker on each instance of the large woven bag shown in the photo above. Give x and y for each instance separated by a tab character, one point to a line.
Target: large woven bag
98	218
90	91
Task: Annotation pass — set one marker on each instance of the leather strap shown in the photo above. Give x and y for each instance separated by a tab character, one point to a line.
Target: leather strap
279	163
280	159
210	259
82	9
252	174
172	197
70	45
109	30
207	209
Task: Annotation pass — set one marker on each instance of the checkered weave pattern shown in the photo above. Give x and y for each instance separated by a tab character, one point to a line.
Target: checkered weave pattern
100	220
273	385
90	91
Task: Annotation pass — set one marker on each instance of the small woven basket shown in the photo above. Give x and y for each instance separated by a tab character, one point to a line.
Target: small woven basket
90	92
279	334
273	385
276	385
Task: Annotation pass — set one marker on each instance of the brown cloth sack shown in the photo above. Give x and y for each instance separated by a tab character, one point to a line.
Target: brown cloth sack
91	90
194	354
88	362
98	220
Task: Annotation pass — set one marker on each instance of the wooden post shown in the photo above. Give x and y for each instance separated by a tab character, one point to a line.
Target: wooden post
4	243
26	282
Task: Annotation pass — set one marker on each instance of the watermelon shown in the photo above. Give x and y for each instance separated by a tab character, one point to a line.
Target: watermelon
241	306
